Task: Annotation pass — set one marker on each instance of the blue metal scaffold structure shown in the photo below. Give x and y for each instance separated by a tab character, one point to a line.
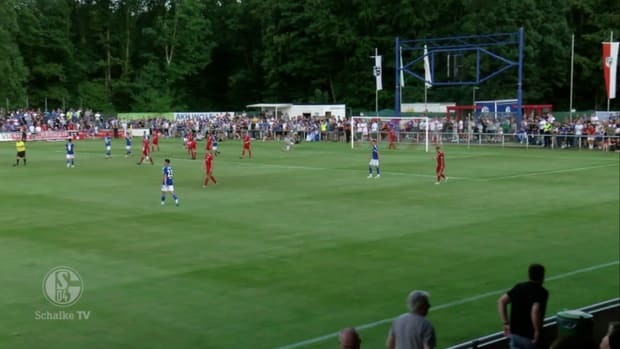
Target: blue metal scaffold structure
479	44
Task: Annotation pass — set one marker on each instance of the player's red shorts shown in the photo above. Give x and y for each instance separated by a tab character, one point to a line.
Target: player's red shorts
439	169
246	146
155	141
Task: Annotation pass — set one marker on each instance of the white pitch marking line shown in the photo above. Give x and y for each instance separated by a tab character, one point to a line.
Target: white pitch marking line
443	306
576	169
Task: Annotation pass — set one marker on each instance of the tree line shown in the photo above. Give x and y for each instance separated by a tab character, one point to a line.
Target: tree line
163	55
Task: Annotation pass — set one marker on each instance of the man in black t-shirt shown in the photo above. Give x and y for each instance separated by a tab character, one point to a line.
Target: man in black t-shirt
527	311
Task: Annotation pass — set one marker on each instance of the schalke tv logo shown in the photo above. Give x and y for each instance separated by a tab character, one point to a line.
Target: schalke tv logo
63	286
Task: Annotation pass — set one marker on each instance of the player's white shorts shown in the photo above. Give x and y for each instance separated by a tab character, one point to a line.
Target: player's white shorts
108	148
128	147
167	188
374	162
70	156
215	147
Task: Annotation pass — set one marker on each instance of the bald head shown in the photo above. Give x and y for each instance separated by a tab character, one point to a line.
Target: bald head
349	339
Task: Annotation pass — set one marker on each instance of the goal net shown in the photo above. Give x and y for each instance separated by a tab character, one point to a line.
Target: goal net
406	130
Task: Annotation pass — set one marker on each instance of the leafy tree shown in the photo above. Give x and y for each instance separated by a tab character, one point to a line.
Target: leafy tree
223	54
12	69
47	49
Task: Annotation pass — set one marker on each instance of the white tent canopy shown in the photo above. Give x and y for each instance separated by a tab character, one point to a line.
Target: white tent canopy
271	106
337	110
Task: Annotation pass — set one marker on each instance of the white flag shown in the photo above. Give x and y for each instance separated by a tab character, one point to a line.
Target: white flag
402	72
428	79
610	67
377	71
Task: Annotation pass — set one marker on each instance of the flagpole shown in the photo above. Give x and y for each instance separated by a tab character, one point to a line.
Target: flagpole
376	91
611	39
425	100
572	62
401	78
377	103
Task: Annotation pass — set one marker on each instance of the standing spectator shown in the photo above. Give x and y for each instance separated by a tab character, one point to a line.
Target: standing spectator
578	133
528	304
590	132
349	339
412	330
392	137
612	338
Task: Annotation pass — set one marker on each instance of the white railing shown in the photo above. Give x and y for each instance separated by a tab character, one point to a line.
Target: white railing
524	140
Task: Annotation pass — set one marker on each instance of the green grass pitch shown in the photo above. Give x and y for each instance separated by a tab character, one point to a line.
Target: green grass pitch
288	247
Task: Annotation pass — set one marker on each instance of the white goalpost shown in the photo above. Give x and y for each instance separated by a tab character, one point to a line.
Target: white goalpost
412	129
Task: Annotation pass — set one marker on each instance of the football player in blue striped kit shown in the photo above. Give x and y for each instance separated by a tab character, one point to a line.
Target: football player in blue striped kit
374	160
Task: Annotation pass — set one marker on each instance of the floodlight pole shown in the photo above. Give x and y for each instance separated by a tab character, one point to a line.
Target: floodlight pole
520	81
399	90
572	65
473	99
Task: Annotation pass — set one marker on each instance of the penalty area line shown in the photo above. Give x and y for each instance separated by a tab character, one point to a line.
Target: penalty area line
445	305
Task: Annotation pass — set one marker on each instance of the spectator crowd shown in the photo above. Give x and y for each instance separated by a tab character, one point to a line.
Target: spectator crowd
534	130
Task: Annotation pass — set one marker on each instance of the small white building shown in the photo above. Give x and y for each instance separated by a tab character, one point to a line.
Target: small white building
310	110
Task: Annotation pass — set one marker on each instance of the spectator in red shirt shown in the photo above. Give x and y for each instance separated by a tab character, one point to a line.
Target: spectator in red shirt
392	137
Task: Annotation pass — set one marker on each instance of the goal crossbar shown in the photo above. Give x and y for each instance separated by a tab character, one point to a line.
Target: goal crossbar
399	119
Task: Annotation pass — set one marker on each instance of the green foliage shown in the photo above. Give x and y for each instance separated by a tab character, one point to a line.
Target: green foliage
150	92
95	95
13	72
225	54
